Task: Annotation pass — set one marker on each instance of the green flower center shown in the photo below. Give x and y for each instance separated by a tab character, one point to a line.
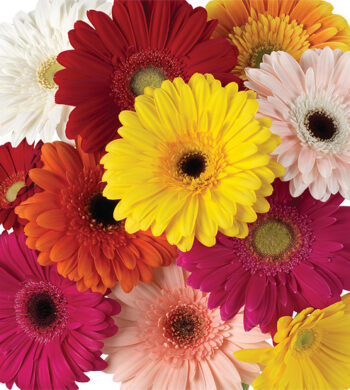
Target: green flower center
272	238
305	339
11	193
259	53
47	72
146	77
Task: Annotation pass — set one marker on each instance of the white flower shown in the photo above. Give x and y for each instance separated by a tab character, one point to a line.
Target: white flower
28	51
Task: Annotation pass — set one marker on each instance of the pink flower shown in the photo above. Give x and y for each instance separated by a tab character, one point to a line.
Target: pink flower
50	333
295	256
309	104
169	339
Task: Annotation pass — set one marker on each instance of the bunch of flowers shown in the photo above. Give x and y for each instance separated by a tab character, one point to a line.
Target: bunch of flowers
172	195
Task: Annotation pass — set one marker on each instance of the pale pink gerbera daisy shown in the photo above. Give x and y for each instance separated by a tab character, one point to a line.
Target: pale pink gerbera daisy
169	339
309	104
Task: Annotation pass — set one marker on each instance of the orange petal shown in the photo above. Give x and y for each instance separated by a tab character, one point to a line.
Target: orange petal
52	219
64	248
127	257
47	180
150	255
146	272
69	157
66	267
48	240
44	259
32	229
51	160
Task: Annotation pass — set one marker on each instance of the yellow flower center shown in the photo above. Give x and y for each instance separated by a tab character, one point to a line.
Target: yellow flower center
11	193
263	34
305	339
272	238
47	72
146	77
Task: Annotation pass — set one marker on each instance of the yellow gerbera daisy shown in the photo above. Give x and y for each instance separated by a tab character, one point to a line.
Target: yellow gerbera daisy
259	27
313	351
192	161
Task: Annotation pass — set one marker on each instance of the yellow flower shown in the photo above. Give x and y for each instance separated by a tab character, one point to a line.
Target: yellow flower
313	351
192	160
259	27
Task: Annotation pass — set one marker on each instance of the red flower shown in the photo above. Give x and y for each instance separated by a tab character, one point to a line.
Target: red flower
15	183
145	43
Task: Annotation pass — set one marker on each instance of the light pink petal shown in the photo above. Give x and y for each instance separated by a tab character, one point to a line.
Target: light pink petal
341	74
297	186
306	160
224	372
291	172
287	159
310	82
325	68
318	188
309	59
325	167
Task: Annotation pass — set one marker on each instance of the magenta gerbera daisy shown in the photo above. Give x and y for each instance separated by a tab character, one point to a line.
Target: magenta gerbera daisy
145	43
50	334
295	256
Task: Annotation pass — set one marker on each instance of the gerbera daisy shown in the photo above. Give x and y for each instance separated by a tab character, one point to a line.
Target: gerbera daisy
15	183
192	161
261	27
294	256
28	51
309	104
145	43
71	223
312	351
50	334
169	339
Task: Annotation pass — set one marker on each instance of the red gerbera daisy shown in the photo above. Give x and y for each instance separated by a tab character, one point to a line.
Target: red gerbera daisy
15	183
144	44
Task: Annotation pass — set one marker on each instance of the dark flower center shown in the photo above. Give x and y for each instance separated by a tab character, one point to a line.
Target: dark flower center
321	125
183	326
192	164
272	238
102	209
41	310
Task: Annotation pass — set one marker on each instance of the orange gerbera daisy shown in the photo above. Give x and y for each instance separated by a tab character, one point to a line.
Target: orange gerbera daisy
259	27
72	224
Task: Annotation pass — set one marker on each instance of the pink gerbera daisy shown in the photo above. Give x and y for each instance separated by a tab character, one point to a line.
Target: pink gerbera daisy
295	256
169	339
50	333
309	104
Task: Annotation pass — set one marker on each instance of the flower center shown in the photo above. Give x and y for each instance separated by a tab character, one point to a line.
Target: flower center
277	242
142	69
41	310
272	238
13	190
305	339
192	164
146	77
259	53
182	326
321	121
321	125
101	210
47	72
263	34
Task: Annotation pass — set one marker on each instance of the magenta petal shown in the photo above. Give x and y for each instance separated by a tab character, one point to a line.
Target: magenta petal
255	292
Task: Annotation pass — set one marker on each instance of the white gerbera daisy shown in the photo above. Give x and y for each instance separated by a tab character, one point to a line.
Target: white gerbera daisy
28	51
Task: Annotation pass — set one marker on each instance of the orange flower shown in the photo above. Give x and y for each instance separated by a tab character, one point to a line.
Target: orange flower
258	27
72	224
